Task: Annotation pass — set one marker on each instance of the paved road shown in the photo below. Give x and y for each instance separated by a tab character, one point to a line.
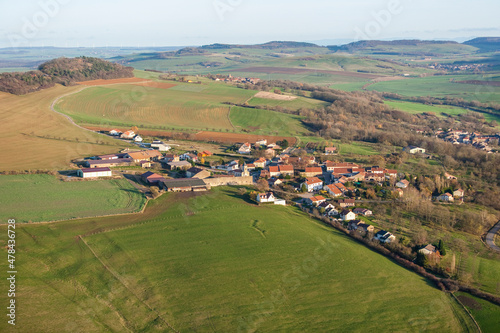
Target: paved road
490	237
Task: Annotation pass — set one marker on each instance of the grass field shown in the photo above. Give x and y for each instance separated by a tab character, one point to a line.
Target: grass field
486	314
266	122
214	263
441	86
177	107
45	198
38	138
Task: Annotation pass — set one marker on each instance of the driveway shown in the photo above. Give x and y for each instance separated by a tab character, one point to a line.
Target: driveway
490	237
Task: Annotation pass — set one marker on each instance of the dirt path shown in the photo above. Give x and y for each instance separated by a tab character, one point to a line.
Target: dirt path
490	237
382	79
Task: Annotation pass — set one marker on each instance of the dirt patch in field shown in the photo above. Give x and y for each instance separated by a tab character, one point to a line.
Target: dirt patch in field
481	83
154	84
470	302
284	70
219	137
270	95
112	81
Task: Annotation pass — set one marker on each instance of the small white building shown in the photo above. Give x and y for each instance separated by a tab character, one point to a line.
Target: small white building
138	138
414	150
313	184
266	197
280	202
446	197
94	172
128	135
347	215
384	236
114	132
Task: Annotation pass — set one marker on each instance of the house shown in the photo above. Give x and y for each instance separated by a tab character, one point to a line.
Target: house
313	184
109	163
160	146
262	142
316	200
414	150
429	250
286	170
400	192
239	173
197	173
274	171
403	184
270	152
189	157
449	177
333	190
274	181
245	148
326	205
184	185
94	173
458	193
266	197
359	225
330	150
138	138
152	178
249	167
114	132
384	236
260	163
447	197
391	173
145	164
313	172
171	158
347	215
362	211
346	203
127	135
204	153
182	165
144	155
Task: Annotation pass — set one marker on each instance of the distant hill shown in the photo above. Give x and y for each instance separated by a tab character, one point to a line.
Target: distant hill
65	71
268	45
485	44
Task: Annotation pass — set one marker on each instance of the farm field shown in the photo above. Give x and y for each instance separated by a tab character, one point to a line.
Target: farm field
38	138
486	314
299	102
182	106
188	262
38	198
441	86
259	121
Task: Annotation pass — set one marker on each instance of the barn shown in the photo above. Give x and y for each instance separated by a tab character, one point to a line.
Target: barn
94	172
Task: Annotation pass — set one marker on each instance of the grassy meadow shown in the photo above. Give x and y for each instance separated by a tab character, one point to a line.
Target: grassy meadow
214	263
38	138
485	313
38	198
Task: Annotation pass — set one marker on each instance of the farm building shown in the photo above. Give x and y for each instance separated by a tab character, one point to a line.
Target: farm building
127	135
109	163
184	185
144	155
414	150
152	178
183	165
94	173
197	173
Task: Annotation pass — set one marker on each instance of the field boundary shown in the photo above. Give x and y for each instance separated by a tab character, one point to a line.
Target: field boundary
117	276
468	312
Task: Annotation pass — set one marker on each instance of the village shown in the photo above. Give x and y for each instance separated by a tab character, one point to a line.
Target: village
282	176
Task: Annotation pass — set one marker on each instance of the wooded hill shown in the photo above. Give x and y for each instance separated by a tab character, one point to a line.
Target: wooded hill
65	71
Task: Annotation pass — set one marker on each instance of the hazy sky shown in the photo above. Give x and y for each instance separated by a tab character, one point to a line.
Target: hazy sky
197	22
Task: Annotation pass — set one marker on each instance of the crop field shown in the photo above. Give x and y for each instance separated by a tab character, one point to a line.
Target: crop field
38	198
38	138
441	86
102	82
177	107
486	314
187	264
267	122
299	102
240	137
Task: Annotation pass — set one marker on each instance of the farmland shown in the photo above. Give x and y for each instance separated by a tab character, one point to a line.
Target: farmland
182	106
38	138
189	263
45	198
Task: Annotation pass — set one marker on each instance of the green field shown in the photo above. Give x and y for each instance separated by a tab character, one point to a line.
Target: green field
485	313
183	106
214	263
485	272
266	122
45	198
441	86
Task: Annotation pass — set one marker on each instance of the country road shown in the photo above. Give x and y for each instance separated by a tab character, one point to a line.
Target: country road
490	237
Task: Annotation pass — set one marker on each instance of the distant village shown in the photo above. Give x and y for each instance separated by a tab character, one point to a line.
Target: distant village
283	176
477	140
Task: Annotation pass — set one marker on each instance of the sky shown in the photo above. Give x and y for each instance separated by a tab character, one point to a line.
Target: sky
70	23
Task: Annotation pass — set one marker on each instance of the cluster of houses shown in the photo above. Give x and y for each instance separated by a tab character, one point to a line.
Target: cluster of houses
246	148
477	140
237	79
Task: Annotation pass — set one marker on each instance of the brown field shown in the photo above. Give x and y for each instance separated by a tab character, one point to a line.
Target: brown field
205	136
34	137
284	70
154	84
481	83
270	95
112	81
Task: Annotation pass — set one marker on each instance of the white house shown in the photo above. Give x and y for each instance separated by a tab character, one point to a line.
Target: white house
160	146
137	138
347	215
245	148
262	142
94	172
266	197
333	190
414	150
428	250
447	197
128	135
114	132
313	184
384	236
362	211
403	184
